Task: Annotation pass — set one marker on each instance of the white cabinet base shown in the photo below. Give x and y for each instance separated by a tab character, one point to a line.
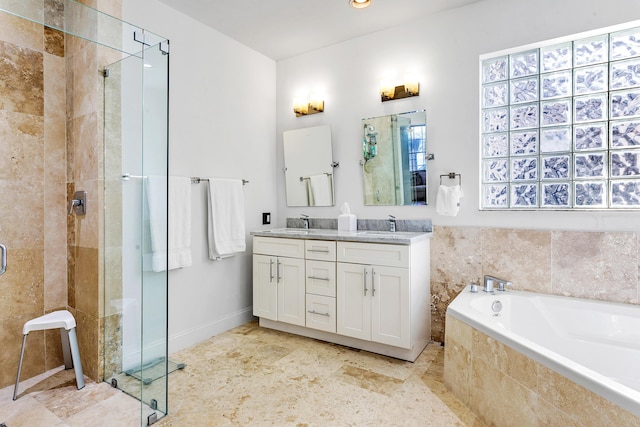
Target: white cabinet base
399	353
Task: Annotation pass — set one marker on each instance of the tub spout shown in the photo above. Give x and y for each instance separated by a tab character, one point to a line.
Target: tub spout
489	281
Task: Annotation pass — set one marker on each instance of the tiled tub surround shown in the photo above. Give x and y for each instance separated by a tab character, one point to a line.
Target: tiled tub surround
506	388
594	265
543	360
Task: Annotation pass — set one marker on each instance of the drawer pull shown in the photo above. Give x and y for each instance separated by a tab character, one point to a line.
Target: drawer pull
324	251
317	278
320	314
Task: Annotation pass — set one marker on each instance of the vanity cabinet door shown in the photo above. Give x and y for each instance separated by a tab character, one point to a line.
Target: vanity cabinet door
265	287
291	290
391	306
353	304
278	289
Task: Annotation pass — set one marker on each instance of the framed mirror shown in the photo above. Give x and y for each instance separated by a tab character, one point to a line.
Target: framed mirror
394	163
308	163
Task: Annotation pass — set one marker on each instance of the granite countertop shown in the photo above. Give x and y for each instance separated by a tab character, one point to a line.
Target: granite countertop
367	236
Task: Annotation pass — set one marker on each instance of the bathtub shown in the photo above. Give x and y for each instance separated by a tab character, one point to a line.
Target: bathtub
592	343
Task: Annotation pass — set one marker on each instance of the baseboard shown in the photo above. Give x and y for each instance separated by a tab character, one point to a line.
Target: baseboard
193	336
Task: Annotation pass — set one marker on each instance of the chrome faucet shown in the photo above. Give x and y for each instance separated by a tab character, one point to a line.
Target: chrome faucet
305	221
490	280
392	223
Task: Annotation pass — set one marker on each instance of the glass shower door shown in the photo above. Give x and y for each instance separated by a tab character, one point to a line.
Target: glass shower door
136	118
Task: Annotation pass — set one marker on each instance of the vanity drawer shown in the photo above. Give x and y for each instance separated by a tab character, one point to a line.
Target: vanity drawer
321	250
374	254
292	248
321	278
321	313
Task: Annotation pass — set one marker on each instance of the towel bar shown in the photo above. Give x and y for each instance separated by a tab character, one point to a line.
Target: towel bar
452	175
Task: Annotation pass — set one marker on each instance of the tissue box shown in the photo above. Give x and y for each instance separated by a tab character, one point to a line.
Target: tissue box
347	222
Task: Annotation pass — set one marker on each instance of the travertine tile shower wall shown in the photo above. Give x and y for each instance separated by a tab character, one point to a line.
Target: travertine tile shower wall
594	265
50	145
32	190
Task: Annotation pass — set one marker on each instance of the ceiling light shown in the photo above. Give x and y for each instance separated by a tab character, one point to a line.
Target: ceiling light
360	4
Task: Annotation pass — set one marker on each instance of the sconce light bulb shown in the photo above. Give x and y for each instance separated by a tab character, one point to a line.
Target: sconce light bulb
360	4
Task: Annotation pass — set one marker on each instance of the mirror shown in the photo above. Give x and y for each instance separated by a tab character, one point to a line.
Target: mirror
308	165
394	163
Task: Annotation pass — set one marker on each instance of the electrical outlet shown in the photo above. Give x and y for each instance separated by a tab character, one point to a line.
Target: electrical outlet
266	217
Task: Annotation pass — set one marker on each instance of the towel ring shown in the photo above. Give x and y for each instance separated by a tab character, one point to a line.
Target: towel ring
452	175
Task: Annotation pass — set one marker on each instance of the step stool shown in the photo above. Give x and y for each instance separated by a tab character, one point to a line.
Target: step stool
64	321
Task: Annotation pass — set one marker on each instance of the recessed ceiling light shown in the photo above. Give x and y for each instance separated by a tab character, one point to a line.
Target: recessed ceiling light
360	4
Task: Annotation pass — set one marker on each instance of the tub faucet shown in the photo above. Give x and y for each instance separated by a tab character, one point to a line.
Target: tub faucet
490	280
305	221
392	223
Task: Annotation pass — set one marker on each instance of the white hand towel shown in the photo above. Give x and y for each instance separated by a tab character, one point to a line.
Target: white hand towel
320	192
178	206
448	200
225	224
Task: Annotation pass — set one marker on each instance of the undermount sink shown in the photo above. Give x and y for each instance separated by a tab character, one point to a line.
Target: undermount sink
289	231
377	233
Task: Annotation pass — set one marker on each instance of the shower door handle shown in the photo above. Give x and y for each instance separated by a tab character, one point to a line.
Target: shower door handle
3	259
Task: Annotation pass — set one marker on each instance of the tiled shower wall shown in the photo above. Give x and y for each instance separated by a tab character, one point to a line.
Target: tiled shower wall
595	265
50	146
32	189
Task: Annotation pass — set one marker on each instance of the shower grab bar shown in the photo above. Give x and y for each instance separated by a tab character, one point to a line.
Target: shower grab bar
3	259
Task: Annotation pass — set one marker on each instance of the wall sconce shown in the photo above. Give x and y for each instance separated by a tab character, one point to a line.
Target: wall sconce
390	89
304	105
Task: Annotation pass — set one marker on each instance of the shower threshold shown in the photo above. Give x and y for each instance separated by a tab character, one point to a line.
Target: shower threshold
153	370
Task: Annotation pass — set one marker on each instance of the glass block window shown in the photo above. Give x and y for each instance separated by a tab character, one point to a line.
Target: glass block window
561	125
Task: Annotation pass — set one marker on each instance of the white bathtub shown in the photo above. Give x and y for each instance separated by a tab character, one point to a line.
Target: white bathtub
595	344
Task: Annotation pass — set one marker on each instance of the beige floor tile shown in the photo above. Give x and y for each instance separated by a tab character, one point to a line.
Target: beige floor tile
252	376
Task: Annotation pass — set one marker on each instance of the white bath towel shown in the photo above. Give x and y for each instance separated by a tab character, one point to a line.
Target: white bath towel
225	224
320	191
448	200
176	235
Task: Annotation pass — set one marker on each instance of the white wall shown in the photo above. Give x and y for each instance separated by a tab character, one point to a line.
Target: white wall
443	51
222	124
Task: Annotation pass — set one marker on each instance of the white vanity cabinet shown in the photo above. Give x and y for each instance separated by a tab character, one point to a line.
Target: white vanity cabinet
278	280
371	295
374	292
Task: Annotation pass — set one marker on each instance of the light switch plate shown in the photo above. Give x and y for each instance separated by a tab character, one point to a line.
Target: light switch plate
266	217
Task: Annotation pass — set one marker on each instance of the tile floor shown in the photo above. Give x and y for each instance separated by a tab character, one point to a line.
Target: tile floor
256	376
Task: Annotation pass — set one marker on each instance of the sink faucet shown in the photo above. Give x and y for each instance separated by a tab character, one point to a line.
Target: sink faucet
392	223
305	221
490	280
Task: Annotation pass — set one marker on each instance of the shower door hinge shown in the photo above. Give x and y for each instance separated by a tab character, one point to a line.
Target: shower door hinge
152	418
105	73
139	37
164	47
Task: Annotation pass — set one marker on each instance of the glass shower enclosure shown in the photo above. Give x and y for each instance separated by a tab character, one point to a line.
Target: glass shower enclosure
135	158
135	277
